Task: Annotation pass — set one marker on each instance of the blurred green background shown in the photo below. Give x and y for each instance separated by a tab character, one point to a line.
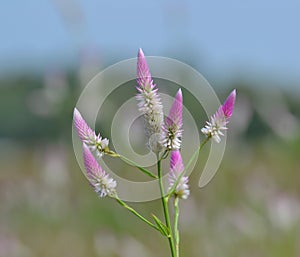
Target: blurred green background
49	50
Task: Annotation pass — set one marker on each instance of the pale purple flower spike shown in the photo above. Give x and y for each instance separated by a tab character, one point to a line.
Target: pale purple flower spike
220	119
149	103
176	168
88	136
98	178
84	132
173	125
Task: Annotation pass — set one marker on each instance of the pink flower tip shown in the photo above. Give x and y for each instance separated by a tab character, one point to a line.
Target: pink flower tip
141	53
178	97
176	163
143	73
228	105
76	115
175	114
83	130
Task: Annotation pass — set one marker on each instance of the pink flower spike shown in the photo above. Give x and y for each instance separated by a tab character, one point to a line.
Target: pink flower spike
88	136
149	104
93	169
173	125
99	180
175	115
228	105
83	130
217	123
176	168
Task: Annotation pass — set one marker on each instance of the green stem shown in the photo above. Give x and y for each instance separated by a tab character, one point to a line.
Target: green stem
132	163
136	213
165	208
176	230
196	152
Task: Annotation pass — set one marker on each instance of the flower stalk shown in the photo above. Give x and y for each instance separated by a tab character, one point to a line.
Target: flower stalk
165	138
164	201
176	229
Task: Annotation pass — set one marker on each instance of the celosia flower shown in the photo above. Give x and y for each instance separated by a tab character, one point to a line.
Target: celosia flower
172	129
88	136
149	103
220	119
102	183
176	168
228	105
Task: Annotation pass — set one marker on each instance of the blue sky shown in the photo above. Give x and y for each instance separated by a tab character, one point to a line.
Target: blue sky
225	36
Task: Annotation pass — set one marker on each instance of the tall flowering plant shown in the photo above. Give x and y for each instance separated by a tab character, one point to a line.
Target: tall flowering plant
164	139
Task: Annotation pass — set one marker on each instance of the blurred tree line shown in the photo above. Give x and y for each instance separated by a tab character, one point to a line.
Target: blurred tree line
35	107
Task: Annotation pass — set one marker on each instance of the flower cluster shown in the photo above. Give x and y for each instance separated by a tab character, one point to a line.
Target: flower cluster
164	138
162	135
98	178
213	128
88	136
149	103
172	128
102	183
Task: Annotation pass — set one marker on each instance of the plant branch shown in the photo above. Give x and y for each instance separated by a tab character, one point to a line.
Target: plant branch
176	230
165	209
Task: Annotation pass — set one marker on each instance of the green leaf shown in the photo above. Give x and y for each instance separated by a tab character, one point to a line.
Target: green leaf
161	226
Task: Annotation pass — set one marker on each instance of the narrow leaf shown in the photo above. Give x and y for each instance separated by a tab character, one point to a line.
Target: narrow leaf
161	226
